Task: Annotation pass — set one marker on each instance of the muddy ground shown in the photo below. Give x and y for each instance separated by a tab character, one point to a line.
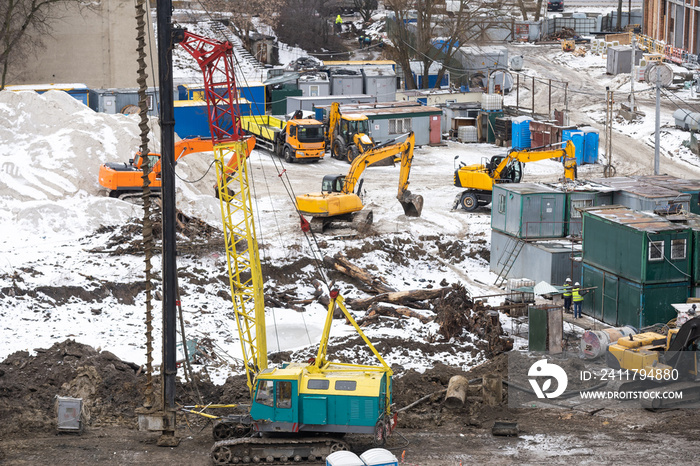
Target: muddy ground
428	434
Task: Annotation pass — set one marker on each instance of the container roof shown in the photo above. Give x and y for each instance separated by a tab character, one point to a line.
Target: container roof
527	188
634	219
671	182
639	187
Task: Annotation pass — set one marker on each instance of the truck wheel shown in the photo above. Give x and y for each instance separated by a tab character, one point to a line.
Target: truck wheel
353	152
288	157
337	151
469	202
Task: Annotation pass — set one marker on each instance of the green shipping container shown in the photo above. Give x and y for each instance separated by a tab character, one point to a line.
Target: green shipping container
617	301
640	246
278	99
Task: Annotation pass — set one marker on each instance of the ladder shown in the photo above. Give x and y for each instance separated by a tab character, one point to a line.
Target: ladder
508	258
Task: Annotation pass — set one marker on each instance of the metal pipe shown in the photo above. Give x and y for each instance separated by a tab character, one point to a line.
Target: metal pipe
657	134
167	124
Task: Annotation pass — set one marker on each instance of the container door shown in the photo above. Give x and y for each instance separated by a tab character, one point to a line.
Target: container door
435	130
547	218
109	104
610	292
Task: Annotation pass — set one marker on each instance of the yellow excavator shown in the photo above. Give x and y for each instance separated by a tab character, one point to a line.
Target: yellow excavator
478	179
339	199
348	135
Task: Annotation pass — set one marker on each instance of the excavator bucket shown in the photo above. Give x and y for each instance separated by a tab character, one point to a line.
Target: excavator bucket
412	204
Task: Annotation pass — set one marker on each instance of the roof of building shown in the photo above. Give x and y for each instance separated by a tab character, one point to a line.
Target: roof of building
634	219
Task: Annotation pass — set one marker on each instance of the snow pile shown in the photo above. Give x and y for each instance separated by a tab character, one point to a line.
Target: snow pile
58	144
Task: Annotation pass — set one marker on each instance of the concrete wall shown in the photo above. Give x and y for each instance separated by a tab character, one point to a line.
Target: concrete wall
94	46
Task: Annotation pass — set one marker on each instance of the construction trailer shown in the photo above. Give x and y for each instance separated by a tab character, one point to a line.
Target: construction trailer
528	210
311	104
192	117
114	101
551	261
638	262
78	91
346	81
691	187
638	195
389	120
381	83
587	194
314	84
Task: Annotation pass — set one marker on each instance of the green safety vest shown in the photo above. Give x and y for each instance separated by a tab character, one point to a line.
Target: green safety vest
338	20
567	291
577	296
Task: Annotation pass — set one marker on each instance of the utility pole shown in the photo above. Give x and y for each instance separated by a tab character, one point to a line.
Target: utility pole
608	170
633	76
657	134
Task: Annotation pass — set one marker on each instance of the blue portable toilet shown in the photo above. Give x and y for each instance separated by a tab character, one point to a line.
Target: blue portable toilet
379	457
520	133
591	144
344	458
578	138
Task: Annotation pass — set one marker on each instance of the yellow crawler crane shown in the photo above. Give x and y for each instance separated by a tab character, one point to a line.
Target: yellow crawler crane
339	199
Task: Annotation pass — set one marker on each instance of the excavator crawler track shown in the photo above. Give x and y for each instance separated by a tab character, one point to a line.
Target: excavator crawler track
275	450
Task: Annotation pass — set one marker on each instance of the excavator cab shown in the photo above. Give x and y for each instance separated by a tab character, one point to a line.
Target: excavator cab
512	173
333	183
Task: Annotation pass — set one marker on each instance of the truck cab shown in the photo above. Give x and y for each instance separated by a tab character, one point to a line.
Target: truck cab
303	139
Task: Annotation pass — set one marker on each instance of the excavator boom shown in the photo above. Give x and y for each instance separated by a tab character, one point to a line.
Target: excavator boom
340	198
479	179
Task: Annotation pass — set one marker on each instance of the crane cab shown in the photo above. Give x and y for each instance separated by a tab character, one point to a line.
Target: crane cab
293	399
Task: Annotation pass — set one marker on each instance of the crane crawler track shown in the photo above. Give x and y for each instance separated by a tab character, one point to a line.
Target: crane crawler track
276	451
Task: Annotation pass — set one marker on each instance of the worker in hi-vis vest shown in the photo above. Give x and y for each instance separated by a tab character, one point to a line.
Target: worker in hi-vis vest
338	24
567	295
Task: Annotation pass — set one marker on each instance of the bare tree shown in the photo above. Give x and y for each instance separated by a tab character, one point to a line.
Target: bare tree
365	8
463	24
244	15
24	23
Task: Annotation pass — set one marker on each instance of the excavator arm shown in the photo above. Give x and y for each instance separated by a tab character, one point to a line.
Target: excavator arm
182	148
380	152
526	156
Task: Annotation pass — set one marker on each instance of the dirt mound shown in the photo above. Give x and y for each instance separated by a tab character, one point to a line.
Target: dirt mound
460	317
412	386
193	235
109	387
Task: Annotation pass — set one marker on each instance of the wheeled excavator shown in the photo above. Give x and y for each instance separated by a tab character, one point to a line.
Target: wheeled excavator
298	411
478	179
348	134
339	197
653	361
124	179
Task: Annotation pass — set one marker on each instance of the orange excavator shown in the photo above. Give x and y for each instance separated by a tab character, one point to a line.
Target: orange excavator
123	180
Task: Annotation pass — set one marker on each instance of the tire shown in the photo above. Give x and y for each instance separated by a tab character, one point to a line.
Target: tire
338	150
353	152
288	157
469	202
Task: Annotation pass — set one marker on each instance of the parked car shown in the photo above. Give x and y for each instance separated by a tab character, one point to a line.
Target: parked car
555	5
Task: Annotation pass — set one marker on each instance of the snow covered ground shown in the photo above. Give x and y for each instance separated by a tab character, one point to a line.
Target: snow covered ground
56	284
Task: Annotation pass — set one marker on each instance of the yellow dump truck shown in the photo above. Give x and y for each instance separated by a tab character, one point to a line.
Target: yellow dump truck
296	139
